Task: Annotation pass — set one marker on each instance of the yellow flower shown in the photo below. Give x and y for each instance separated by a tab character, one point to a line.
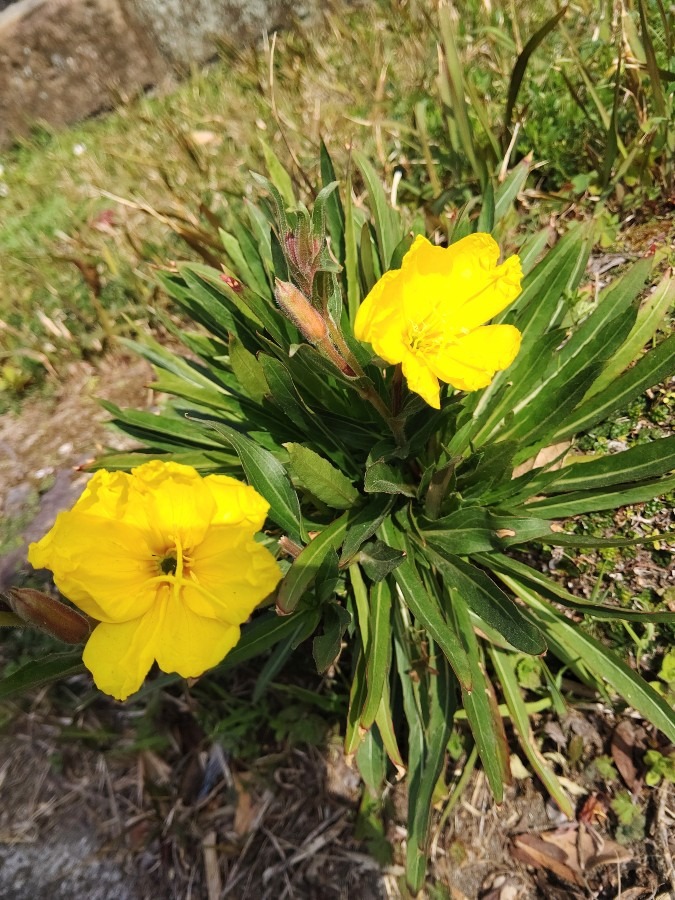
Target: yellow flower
429	315
165	560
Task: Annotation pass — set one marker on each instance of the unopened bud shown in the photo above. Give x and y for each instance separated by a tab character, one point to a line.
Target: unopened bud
50	615
300	311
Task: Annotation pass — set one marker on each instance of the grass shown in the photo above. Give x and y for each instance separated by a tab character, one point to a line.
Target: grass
77	268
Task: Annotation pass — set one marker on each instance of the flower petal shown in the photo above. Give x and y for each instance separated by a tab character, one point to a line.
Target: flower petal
383	301
236	503
103	566
177	504
190	644
421	379
231	574
120	655
471	362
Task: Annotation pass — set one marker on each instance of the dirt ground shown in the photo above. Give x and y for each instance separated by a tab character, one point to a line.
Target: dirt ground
90	812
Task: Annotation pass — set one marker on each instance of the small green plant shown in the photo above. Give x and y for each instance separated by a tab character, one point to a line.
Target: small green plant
659	766
400	524
630	816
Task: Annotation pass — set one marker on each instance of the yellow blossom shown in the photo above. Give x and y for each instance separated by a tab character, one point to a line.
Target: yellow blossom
166	562
430	315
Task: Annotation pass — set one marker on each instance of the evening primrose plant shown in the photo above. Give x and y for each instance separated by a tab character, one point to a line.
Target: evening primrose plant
387	400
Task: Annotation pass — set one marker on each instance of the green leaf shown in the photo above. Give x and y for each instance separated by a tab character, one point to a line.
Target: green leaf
269	629
627	467
268	477
378	560
504	664
489	602
425	608
509	190
570	642
335	215
387	226
649	318
378	650
481	707
322	479
278	174
305	568
326	646
521	65
364	525
383	478
159	430
283	391
247	370
563	505
652	368
281	653
38	673
572	371
475	529
438	730
547	587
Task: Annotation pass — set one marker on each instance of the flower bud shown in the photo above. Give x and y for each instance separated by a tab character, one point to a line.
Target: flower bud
301	312
50	615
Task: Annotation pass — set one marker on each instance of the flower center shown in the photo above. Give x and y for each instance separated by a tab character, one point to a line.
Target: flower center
168	565
424	336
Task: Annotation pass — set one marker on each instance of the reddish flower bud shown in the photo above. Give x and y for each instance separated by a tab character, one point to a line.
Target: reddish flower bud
300	311
50	615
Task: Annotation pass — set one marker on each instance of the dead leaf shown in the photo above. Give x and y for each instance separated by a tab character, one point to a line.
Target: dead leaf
568	852
245	812
544	457
214	884
623	742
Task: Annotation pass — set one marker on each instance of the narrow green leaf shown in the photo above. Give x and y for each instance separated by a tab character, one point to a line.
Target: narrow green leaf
247	370
438	730
305	568
425	608
364	525
476	529
335	214
387	227
569	642
278	174
649	318
653	367
489	602
627	467
268	477
378	650
504	664
547	587
283	391
40	672
326	482
481	707
280	655
563	505
521	65
326	646
351	254
508	191
269	629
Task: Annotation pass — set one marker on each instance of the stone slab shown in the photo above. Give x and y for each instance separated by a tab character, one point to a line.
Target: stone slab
64	60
